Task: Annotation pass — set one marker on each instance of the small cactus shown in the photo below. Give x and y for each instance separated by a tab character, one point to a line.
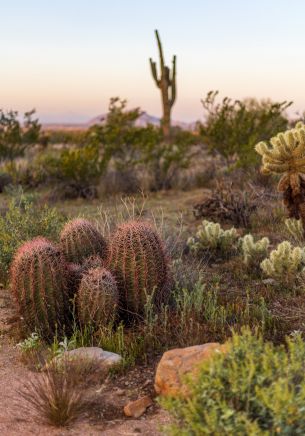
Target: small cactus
211	236
285	263
295	228
39	286
137	259
80	239
286	156
97	298
254	252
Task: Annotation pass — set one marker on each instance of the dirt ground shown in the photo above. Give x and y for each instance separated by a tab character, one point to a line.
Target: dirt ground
106	414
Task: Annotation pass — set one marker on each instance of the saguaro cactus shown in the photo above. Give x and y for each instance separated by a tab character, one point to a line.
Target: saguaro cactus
98	298
287	157
138	261
167	85
80	239
39	285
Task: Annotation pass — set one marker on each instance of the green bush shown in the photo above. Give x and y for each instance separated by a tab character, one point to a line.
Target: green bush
24	220
75	171
15	138
256	388
234	127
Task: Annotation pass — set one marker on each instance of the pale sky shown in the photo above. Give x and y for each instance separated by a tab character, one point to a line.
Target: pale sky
66	58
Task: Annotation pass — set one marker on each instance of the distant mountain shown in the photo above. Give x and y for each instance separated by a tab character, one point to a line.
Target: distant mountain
144	120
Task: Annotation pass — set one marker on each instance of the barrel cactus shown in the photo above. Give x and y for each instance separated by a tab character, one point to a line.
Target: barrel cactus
139	263
97	298
39	286
80	239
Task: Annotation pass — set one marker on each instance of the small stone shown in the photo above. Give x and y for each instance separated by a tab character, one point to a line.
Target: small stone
147	383
268	281
105	359
138	407
120	392
175	364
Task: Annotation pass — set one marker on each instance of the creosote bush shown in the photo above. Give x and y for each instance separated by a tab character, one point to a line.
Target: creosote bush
210	236
256	388
285	264
254	252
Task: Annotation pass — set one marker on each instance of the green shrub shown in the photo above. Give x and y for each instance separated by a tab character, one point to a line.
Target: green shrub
254	389
75	171
24	220
234	127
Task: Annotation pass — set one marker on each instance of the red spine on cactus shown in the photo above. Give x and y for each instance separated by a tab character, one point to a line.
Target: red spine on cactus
39	285
137	259
80	239
97	298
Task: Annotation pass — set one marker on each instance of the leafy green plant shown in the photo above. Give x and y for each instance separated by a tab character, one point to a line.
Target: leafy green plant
24	220
210	236
15	138
254	388
234	127
254	252
285	264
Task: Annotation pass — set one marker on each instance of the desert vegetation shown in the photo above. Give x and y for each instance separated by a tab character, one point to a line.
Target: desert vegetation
134	240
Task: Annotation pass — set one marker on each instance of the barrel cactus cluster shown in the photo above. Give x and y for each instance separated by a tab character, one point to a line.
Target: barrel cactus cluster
101	279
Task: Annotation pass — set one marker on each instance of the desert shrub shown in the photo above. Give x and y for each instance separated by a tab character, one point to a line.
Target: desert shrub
234	127
227	204
255	388
285	264
24	220
15	138
254	252
74	171
54	397
210	236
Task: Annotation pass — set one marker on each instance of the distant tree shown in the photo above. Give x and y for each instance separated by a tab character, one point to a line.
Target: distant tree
15	138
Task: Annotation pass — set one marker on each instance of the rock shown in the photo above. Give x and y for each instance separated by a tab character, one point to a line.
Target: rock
268	281
175	364
105	359
138	407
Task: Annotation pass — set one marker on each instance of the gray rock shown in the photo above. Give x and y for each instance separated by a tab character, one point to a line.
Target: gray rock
106	359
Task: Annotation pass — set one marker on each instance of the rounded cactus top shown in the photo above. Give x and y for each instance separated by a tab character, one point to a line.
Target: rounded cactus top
80	239
37	246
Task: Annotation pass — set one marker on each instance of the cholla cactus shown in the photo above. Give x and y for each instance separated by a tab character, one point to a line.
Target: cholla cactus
287	157
254	252
295	228
285	263
97	298
39	284
211	236
80	239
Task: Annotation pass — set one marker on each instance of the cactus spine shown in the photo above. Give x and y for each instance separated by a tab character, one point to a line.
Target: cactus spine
39	285
167	85
254	252
138	261
80	239
98	298
285	263
287	157
295	229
